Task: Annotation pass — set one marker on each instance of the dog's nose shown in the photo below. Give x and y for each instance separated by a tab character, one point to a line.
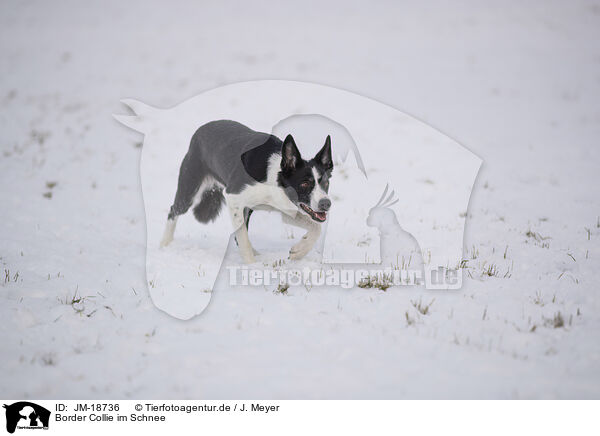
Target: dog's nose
324	204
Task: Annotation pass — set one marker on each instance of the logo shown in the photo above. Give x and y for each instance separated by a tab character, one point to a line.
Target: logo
26	415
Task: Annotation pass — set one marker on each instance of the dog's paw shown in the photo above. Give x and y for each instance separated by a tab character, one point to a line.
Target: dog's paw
165	241
299	250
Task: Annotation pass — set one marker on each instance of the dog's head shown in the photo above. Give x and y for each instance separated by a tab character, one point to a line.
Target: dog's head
306	183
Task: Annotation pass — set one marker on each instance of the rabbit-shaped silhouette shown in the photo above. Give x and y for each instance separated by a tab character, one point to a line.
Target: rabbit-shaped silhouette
398	248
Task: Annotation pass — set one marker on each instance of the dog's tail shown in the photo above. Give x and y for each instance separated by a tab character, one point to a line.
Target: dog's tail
210	205
207	210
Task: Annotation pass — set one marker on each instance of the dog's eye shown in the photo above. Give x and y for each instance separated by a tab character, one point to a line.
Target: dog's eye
305	185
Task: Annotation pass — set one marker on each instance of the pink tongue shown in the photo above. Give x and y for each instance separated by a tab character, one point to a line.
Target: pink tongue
321	215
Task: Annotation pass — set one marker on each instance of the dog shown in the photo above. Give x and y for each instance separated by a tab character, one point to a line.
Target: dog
229	163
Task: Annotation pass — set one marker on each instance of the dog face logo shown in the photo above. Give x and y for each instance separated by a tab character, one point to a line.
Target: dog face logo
256	160
26	415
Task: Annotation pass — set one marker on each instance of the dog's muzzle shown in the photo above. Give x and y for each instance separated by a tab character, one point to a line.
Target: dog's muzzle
319	216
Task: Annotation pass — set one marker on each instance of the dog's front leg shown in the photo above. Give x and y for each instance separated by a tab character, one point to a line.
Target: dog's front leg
308	241
241	231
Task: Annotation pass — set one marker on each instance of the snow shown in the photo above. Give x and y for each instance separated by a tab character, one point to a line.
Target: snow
517	86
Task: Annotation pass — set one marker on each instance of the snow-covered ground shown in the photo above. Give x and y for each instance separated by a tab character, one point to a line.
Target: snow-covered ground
516	84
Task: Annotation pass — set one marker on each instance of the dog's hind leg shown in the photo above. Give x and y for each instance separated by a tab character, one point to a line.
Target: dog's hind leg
191	176
169	232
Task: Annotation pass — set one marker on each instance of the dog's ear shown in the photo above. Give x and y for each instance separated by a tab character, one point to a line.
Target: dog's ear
290	155
324	155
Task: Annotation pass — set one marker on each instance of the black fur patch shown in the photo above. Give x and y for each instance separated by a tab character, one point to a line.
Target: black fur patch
256	160
210	205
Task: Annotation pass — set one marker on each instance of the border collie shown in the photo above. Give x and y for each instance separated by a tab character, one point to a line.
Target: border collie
230	163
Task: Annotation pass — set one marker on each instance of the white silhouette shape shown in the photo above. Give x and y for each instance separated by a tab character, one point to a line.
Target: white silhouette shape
25	414
435	172
398	248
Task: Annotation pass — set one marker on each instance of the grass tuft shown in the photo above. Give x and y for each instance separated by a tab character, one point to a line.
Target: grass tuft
282	289
490	271
557	321
421	307
535	235
379	281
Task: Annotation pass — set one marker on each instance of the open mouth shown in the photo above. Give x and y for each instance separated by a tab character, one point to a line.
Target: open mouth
317	216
